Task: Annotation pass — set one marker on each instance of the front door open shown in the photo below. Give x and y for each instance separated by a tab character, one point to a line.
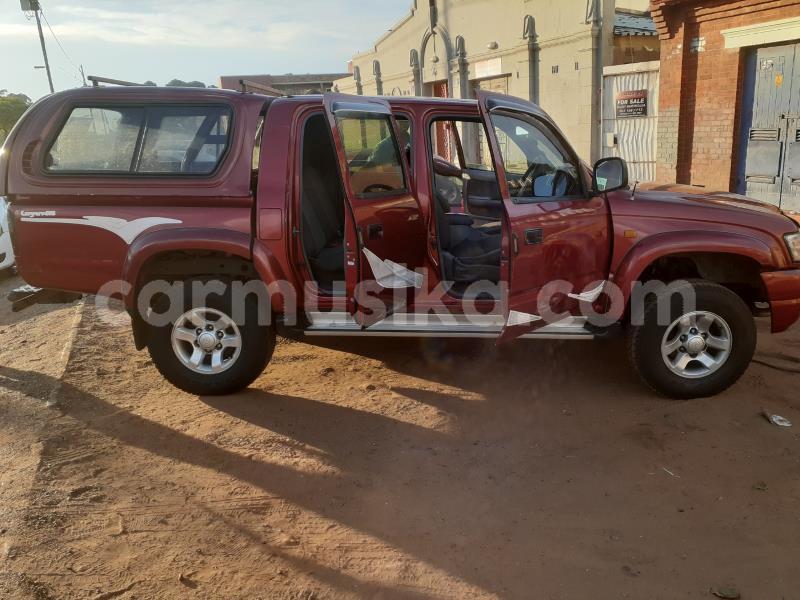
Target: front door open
385	244
556	237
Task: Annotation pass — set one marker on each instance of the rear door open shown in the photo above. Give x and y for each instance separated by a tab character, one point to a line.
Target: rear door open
385	244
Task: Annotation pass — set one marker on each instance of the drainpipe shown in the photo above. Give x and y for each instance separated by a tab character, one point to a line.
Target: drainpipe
597	80
376	71
529	33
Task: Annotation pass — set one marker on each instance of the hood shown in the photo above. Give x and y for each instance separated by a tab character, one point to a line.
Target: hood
693	204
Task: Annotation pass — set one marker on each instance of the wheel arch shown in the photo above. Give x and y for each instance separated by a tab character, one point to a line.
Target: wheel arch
231	252
731	259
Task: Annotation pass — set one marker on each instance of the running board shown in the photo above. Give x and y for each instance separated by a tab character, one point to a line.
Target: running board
443	326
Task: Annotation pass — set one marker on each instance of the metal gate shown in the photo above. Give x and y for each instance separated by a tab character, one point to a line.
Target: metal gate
772	126
630	116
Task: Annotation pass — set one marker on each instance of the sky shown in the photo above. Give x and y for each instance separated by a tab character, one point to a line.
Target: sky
137	40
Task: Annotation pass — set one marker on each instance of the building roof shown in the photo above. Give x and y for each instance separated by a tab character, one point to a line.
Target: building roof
232	81
633	23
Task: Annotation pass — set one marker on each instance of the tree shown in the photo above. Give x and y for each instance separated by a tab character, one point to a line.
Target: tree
11	108
180	83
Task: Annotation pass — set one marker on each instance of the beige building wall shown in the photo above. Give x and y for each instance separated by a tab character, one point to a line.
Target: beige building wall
541	50
640	5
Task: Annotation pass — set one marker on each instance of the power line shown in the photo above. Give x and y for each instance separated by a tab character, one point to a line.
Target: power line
55	37
63	51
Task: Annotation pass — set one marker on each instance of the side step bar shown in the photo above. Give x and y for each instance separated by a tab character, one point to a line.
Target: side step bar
442	326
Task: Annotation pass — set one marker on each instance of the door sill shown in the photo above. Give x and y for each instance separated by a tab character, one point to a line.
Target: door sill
432	325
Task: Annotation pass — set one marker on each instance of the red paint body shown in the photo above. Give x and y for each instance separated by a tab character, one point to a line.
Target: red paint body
598	237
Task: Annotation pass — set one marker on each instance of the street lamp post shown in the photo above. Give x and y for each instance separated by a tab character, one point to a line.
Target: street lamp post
33	6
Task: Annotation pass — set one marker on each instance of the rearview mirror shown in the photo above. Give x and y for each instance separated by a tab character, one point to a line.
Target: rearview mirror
610	174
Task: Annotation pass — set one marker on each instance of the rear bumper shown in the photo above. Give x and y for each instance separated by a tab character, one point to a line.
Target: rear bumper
783	291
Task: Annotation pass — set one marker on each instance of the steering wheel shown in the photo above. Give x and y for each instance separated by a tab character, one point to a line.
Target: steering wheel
558	176
527	177
377	187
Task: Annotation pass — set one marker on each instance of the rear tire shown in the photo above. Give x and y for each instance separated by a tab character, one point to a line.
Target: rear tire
698	351
251	348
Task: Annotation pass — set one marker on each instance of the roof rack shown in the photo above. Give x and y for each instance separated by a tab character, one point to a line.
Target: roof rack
96	81
252	86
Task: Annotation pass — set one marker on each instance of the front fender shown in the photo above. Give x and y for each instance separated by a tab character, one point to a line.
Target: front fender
653	247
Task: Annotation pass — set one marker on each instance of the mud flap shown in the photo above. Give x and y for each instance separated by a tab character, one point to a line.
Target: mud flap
27	295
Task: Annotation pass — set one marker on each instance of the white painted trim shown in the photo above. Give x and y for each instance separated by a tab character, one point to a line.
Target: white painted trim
640	67
782	30
126	230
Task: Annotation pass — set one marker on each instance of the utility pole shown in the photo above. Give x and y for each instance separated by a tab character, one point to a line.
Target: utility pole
33	6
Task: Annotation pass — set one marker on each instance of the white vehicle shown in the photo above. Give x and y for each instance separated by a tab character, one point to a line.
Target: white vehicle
6	251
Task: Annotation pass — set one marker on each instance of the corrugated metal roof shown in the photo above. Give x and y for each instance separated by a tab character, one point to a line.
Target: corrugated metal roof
626	23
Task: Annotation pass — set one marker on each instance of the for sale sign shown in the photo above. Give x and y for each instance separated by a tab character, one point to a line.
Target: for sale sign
631	104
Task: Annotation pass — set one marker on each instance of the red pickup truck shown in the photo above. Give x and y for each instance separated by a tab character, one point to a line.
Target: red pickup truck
222	217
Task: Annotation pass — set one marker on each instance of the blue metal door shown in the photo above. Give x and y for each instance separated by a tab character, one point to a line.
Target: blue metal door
772	164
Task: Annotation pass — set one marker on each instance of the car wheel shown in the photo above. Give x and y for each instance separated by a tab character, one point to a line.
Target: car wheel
205	352
693	351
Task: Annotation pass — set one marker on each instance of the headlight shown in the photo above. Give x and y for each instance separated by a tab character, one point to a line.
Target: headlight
793	243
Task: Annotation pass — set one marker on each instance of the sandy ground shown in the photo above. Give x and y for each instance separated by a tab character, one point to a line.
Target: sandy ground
380	469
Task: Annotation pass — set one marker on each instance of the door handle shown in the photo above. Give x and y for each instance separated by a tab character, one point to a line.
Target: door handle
374	231
534	236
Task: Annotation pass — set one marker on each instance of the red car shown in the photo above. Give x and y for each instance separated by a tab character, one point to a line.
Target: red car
222	217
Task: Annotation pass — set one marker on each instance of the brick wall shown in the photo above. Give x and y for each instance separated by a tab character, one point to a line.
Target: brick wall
701	86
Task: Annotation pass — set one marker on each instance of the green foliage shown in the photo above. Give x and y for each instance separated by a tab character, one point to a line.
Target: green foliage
11	108
180	83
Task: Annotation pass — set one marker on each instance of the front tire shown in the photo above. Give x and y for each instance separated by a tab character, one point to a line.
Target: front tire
204	352
693	351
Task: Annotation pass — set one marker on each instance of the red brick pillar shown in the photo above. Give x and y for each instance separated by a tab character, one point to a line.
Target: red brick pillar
673	44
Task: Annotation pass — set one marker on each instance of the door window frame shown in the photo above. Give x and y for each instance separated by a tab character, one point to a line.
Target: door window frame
389	117
298	143
403	114
552	133
454	117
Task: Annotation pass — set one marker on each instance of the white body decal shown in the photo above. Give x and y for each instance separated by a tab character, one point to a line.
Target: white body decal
516	318
390	275
589	296
127	230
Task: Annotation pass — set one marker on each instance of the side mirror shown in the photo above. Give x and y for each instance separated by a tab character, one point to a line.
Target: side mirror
610	174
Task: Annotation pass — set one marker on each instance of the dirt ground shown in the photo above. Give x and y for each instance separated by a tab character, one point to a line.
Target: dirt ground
380	469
